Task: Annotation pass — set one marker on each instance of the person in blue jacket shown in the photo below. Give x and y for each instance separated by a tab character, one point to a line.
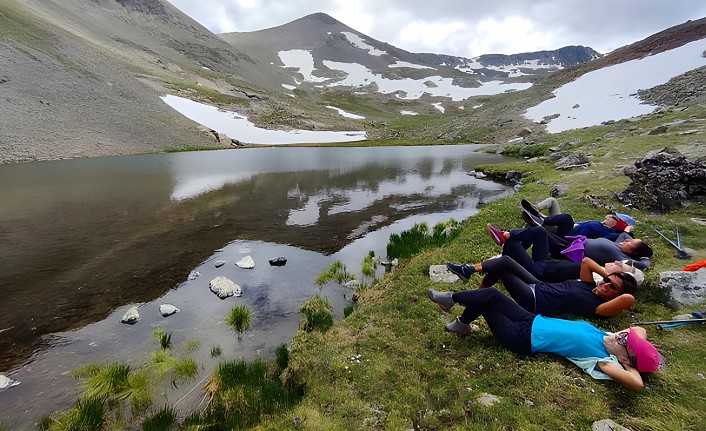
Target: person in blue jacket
563	224
621	356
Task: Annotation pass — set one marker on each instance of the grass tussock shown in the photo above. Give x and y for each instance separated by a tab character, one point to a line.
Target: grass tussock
240	394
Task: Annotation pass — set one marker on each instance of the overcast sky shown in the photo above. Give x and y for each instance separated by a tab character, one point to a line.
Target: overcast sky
463	28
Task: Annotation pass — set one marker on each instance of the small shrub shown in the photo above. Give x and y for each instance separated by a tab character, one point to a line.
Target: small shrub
336	272
185	369
86	415
163	420
239	318
282	357
348	310
192	345
112	380
241	394
164	338
316	314
410	242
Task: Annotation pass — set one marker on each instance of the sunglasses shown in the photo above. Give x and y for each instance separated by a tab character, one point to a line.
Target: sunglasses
608	281
623	341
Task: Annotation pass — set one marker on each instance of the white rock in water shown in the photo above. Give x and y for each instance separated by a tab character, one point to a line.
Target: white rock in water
6	382
224	287
131	316
193	275
168	309
246	262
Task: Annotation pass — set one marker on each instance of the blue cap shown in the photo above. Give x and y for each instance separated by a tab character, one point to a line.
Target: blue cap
626	218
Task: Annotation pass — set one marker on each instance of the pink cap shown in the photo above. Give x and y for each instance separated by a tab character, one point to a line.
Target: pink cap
648	358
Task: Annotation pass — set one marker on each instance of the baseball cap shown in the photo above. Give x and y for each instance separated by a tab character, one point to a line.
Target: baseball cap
626	218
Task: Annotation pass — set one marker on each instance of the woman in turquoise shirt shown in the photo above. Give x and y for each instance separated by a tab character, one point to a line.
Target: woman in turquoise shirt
621	356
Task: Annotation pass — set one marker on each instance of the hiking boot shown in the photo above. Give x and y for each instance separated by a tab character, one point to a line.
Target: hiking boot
442	299
531	219
463	272
497	235
459	328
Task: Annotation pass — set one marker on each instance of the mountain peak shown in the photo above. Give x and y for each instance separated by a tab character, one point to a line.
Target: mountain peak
320	17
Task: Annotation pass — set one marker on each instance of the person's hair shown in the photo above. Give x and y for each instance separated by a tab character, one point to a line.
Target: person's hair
641	249
629	282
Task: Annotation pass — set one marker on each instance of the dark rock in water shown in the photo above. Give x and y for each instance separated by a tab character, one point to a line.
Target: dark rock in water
664	181
278	261
220	263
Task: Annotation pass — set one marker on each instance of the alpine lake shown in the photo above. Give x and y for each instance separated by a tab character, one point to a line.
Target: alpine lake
84	240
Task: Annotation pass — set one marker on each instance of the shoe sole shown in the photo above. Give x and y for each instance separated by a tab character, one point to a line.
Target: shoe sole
458	274
472	329
431	296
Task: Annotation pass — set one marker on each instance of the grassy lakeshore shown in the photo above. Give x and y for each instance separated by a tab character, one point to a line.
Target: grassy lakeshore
412	375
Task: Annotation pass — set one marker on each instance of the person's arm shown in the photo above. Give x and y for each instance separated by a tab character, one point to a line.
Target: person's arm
627	376
615	305
588	267
641	263
622	237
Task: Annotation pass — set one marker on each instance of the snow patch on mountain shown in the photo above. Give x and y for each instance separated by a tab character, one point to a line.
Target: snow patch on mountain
408	65
360	43
239	127
301	60
346	113
610	93
409	89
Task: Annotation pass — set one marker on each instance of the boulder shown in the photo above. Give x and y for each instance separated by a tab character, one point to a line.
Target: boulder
607	425
219	263
224	287
685	287
6	382
131	316
664	181
559	190
168	309
488	400
577	159
246	263
439	273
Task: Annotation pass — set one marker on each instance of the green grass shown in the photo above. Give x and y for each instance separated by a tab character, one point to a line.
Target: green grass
86	415
335	272
239	318
162	420
420	237
240	394
316	314
163	337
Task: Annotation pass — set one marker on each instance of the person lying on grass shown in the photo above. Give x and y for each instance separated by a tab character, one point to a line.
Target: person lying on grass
621	356
610	227
584	297
603	249
515	244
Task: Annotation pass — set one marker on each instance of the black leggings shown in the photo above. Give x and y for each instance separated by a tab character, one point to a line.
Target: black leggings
515	278
511	324
540	264
564	224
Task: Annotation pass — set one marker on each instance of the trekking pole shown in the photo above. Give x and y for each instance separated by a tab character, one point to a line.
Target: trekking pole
666	322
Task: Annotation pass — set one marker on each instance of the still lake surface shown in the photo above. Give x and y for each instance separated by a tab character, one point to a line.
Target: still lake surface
84	240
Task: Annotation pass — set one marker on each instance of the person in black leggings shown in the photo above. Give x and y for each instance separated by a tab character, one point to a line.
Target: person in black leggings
621	356
540	263
583	297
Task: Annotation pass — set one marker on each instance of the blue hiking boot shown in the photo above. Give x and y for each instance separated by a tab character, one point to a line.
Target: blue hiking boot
463	272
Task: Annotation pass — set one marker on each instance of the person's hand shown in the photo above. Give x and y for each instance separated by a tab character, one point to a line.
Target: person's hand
629	229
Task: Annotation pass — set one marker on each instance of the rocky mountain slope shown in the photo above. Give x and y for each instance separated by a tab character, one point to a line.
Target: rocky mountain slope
84	79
